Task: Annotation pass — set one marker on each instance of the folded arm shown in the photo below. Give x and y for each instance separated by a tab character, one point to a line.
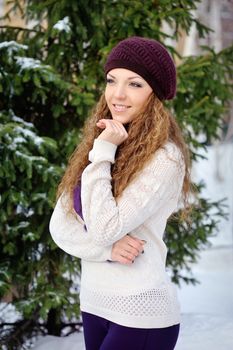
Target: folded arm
69	234
108	220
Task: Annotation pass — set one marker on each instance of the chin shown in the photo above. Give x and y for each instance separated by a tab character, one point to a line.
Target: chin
121	119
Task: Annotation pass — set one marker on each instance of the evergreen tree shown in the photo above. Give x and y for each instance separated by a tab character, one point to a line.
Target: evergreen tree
50	77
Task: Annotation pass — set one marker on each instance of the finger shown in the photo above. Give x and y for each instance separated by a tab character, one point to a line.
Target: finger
114	130
113	126
136	243
122	259
121	127
132	251
128	255
130	244
141	241
110	126
125	250
103	122
101	125
114	123
125	260
117	122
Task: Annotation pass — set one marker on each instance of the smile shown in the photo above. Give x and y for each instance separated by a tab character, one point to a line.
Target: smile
120	108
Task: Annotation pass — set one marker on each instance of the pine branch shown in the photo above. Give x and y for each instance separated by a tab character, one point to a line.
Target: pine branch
23	29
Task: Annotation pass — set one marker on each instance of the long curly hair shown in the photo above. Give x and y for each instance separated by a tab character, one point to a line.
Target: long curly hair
148	132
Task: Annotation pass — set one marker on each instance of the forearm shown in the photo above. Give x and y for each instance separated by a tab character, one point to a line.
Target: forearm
108	219
69	235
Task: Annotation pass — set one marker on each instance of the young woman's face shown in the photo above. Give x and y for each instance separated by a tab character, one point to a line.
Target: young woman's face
126	93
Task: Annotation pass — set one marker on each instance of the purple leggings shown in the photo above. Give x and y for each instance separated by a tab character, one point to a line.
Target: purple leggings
101	334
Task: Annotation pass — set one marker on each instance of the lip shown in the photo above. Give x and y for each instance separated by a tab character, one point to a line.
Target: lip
120	108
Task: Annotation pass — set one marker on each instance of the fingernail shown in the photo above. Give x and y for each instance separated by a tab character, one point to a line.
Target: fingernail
143	240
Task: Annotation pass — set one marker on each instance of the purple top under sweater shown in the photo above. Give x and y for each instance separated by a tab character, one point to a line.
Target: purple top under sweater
77	201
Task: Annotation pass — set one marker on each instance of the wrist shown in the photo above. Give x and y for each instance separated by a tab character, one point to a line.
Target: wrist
102	150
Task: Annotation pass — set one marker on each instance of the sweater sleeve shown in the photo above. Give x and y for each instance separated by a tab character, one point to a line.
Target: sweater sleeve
108	219
69	234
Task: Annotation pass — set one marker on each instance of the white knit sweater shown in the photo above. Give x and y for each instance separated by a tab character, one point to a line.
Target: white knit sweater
138	295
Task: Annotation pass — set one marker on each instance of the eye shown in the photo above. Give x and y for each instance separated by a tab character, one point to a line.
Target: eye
134	84
109	81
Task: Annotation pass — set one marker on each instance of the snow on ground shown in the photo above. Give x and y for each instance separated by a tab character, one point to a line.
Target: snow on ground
72	342
207	308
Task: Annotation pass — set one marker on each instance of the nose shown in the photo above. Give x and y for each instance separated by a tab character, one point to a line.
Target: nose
120	92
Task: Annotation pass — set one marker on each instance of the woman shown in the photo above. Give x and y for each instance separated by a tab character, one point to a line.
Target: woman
122	183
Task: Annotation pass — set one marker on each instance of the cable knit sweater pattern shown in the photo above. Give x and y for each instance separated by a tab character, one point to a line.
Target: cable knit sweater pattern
138	295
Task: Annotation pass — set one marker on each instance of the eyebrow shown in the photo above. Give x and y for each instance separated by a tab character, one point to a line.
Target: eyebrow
130	78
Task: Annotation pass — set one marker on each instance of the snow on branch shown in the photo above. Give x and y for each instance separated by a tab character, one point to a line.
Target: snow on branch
28	63
63	25
12	46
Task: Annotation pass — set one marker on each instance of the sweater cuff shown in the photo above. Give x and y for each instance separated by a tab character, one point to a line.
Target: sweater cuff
102	151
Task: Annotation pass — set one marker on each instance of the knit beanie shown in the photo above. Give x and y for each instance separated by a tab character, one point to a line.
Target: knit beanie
149	59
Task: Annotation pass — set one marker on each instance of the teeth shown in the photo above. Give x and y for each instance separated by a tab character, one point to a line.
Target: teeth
120	107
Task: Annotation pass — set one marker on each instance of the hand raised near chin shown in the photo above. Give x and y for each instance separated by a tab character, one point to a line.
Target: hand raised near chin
113	132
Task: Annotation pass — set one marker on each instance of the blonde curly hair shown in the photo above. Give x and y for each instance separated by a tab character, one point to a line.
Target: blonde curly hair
148	132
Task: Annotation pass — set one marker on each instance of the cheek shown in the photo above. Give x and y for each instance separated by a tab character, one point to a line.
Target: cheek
144	96
106	94
141	100
108	97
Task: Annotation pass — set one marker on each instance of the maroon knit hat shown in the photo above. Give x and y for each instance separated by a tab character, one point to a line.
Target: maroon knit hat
149	59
